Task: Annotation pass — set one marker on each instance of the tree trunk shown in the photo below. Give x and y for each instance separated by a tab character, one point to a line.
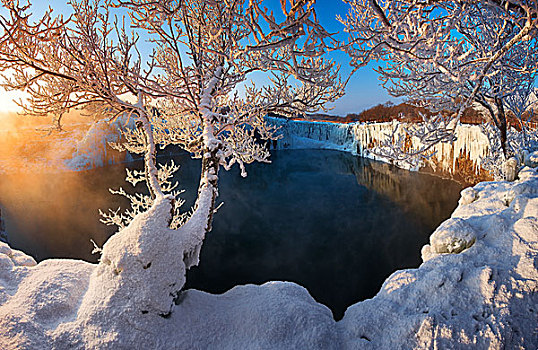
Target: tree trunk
502	125
498	117
150	161
200	221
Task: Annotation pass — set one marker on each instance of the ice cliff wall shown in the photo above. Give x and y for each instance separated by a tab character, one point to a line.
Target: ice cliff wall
298	134
466	152
462	155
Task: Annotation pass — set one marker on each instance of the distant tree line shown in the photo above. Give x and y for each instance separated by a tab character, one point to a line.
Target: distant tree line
410	112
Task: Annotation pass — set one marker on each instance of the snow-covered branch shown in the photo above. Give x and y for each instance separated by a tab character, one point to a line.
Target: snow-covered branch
451	55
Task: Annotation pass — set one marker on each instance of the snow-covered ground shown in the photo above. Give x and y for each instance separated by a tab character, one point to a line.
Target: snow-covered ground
477	288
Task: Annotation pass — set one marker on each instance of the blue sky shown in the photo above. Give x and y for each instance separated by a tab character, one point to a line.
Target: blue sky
363	89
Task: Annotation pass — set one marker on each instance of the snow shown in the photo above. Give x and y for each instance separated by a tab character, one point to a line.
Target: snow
127	301
359	138
532	159
476	289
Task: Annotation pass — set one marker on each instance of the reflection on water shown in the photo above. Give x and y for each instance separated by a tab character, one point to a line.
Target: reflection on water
334	223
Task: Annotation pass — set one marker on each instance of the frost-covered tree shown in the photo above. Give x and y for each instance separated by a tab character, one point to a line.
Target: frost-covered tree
86	61
186	93
204	50
450	55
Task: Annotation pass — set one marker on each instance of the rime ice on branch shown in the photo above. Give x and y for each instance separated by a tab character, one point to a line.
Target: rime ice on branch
449	55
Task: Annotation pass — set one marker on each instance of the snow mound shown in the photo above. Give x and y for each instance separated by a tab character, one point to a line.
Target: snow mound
477	288
35	300
275	315
16	257
453	236
468	195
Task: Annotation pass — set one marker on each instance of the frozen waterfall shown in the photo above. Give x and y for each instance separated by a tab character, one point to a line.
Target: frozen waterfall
471	144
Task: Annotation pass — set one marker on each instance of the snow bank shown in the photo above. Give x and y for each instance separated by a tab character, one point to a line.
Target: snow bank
476	288
359	138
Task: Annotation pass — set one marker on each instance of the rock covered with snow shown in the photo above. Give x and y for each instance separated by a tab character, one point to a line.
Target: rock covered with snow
468	195
275	315
452	236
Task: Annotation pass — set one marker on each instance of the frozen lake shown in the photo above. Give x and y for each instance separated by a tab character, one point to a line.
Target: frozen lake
334	223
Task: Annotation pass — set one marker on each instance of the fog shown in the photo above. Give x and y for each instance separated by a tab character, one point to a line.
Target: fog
35	193
32	203
27	143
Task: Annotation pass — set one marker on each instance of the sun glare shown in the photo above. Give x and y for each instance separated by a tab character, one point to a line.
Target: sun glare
7	100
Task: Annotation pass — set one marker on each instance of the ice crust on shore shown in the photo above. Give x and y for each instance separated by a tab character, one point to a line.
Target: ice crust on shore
477	288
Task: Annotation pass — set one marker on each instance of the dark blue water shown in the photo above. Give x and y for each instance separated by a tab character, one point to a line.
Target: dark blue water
332	222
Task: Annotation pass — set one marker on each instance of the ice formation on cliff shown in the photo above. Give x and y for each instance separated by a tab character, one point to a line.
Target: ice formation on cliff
359	138
93	150
299	134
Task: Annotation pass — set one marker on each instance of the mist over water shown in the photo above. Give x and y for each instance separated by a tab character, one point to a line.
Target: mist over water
56	215
337	224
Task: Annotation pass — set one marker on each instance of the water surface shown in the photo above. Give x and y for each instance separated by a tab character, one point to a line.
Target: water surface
337	224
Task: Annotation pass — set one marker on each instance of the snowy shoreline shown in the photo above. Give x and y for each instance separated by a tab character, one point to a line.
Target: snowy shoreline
477	287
